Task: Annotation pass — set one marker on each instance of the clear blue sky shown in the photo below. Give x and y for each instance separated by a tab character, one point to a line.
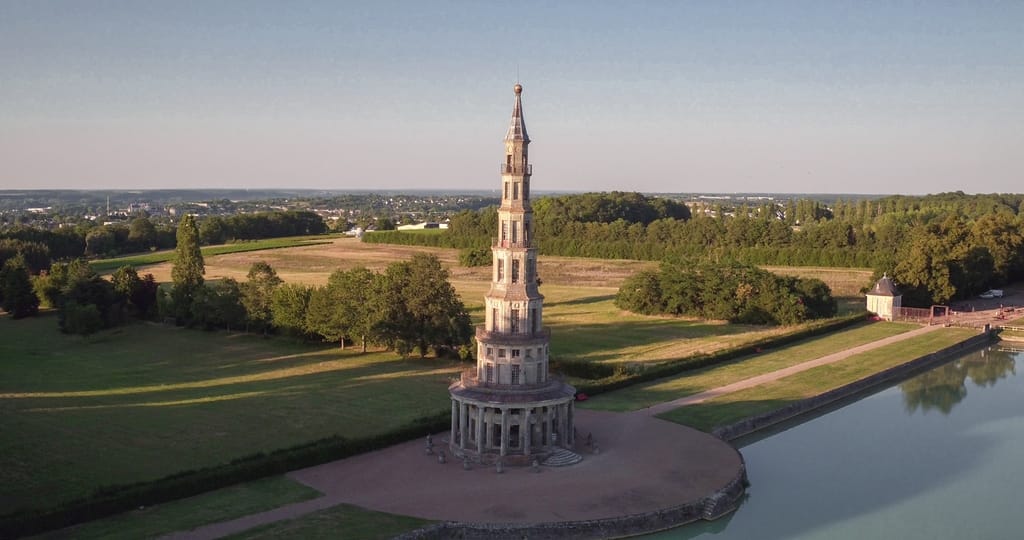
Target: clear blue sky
834	97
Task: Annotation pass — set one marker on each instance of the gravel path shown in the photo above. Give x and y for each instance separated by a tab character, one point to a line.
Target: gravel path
781	373
644	464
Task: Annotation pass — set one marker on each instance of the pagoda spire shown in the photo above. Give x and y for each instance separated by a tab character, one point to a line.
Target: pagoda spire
517	128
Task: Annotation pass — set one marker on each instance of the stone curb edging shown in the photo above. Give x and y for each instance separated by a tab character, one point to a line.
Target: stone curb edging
764	420
711	507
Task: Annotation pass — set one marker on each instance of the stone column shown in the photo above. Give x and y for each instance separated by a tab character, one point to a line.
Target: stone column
572	422
547	427
463	422
504	431
480	429
563	423
455	418
524	430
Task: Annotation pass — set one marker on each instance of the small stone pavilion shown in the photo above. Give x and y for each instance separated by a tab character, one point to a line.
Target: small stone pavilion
509	408
884	299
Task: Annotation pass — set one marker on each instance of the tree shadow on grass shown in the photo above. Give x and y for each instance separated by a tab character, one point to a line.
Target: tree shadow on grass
605	341
584	300
165	432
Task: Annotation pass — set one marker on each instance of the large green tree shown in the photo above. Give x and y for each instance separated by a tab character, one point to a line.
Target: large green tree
289	304
187	272
257	293
346	307
142	234
16	294
419	308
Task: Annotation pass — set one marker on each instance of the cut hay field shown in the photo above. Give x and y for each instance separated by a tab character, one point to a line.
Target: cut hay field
145	259
578	305
844	282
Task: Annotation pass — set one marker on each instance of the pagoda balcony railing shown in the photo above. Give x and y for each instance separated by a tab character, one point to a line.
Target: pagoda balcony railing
507	168
470	377
511	338
495	242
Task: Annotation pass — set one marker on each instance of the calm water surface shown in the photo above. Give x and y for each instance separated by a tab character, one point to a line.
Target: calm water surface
940	455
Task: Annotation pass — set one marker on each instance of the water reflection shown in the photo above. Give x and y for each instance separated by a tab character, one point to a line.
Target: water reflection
864	470
944	387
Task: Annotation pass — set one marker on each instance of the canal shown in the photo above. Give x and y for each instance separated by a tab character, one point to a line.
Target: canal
940	455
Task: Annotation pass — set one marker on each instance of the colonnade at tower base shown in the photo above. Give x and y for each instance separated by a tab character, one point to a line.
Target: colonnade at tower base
515	427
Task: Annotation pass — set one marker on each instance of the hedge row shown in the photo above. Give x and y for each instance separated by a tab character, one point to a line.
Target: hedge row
112	500
607	378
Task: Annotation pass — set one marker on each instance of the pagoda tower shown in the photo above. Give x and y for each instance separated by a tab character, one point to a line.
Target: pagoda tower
509	408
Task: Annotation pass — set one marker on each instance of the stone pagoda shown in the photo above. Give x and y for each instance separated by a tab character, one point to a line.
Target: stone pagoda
508	408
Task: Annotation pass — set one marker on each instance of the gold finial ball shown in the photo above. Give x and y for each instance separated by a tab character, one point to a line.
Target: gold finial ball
518	89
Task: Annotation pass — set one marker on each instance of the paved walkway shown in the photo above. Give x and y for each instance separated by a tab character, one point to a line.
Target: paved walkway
781	373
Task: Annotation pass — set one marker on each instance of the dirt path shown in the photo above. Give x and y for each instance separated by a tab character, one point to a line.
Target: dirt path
781	373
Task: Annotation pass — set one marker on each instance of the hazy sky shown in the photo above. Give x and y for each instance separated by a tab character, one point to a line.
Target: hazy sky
817	96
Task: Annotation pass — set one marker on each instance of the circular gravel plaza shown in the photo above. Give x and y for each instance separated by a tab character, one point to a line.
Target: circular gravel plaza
642	465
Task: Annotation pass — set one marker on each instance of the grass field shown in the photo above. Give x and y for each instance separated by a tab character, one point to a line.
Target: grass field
647	394
103	266
770	396
182	515
145	401
343	522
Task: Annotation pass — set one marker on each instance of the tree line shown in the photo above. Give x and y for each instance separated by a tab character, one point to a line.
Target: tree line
41	246
938	247
409	307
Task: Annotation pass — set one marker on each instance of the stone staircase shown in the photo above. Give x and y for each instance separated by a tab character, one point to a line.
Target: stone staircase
562	458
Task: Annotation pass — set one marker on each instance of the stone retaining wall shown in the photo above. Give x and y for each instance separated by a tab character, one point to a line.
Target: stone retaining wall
711	507
902	371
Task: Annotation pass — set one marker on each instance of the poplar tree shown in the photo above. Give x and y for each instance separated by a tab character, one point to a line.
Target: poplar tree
188	269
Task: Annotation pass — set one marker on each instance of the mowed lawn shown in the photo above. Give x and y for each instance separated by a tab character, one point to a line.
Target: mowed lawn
145	401
647	394
774	395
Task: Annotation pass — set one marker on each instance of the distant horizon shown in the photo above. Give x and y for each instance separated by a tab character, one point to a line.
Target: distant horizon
496	191
787	97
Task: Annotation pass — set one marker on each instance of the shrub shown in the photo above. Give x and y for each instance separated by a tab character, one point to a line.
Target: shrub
475	257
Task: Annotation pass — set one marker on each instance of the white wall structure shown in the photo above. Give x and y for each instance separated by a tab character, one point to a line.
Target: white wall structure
884	299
